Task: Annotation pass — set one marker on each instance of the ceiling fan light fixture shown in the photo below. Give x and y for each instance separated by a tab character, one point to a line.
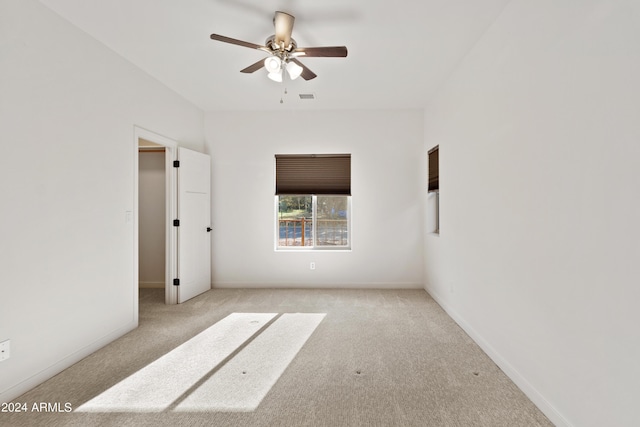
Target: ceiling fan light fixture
276	77
283	50
273	64
294	70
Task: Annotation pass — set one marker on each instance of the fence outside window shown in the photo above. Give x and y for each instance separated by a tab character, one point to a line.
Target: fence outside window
299	232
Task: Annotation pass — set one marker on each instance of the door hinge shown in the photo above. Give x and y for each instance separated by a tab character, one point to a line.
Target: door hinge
176	163
176	282
176	223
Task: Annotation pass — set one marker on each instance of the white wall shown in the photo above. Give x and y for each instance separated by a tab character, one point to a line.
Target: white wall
66	249
387	168
152	219
539	234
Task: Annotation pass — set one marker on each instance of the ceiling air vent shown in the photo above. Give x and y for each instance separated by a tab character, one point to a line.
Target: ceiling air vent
307	95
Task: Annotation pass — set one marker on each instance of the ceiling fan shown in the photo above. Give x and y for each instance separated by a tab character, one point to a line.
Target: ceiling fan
283	51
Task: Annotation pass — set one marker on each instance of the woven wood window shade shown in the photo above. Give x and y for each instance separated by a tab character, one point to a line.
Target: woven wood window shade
434	177
313	174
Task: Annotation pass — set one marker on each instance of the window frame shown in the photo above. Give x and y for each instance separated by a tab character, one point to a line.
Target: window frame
314	207
433	183
312	175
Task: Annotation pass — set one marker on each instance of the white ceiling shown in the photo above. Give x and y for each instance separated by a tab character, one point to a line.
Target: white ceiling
400	51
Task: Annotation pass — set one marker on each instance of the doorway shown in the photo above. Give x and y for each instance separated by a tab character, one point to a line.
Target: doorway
157	150
151	215
187	218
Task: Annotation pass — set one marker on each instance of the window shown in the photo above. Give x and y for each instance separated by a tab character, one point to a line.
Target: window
313	198
434	188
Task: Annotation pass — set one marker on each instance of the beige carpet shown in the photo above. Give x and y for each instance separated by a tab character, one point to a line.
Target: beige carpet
319	358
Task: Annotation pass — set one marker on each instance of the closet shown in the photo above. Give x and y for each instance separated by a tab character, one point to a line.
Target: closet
152	217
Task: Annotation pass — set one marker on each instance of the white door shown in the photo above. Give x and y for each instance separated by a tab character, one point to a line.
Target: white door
194	214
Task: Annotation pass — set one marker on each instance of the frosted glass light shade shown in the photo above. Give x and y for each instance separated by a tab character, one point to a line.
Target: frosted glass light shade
294	70
276	77
272	64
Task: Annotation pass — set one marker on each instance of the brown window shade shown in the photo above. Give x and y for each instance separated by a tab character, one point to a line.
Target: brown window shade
313	174
434	177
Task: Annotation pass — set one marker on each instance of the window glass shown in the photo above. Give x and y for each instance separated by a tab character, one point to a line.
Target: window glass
313	221
332	222
295	220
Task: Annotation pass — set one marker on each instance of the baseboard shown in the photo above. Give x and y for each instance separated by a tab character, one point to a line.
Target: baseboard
531	392
151	285
48	373
301	285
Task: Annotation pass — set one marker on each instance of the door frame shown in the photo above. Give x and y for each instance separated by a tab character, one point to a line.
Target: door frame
171	209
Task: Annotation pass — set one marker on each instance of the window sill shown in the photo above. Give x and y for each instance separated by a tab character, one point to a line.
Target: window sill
312	250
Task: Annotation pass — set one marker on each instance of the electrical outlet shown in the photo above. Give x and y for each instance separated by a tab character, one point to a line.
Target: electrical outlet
312	266
5	350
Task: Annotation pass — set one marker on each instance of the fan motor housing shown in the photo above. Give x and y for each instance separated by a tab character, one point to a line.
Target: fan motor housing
275	47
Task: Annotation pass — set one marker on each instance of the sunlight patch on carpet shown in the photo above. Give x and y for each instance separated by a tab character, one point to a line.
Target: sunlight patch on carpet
242	383
156	386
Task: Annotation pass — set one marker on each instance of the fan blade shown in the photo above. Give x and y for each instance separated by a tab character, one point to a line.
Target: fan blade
236	41
253	67
283	22
326	52
307	74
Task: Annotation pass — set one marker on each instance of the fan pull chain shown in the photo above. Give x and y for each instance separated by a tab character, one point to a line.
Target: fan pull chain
285	92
